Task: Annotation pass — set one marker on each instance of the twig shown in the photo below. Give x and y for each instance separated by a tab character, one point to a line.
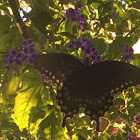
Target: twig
132	30
18	20
133	8
7	14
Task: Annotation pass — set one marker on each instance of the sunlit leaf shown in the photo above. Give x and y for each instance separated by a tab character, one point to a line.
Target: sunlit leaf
50	130
37	116
69	26
68	35
83	1
24	101
96	4
27	80
13	85
119	10
137	96
82	132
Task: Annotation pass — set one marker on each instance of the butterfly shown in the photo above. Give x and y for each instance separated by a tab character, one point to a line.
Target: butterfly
90	86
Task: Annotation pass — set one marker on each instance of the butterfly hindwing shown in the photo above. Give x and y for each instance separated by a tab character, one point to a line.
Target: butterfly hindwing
92	87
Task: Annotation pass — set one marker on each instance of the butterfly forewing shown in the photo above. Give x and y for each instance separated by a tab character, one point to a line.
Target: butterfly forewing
57	66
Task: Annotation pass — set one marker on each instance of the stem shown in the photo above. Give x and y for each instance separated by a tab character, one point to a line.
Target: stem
7	14
132	30
18	20
133	8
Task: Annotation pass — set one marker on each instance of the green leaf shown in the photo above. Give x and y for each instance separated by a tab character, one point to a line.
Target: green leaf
68	35
37	115
85	11
27	80
42	18
69	27
50	130
11	39
99	44
137	96
116	48
83	2
105	136
82	132
13	85
96	4
5	23
24	101
119	10
64	1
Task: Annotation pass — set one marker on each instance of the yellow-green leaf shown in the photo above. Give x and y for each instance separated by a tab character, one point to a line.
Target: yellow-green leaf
13	85
49	129
24	101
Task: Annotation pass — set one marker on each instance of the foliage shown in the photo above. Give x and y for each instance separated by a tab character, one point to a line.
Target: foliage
28	109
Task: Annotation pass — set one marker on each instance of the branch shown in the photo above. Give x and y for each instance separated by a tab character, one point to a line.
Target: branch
133	8
18	20
132	30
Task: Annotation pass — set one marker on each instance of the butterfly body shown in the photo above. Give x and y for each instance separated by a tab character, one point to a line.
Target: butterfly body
92	87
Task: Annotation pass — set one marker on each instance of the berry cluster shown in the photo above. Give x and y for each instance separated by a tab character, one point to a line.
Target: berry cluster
27	54
74	15
136	120
92	54
28	50
128	52
133	137
44	78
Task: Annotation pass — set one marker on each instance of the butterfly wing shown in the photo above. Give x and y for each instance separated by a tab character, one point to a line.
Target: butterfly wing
57	66
94	87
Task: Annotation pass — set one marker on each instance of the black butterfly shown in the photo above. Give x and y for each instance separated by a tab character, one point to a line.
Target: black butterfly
92	87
